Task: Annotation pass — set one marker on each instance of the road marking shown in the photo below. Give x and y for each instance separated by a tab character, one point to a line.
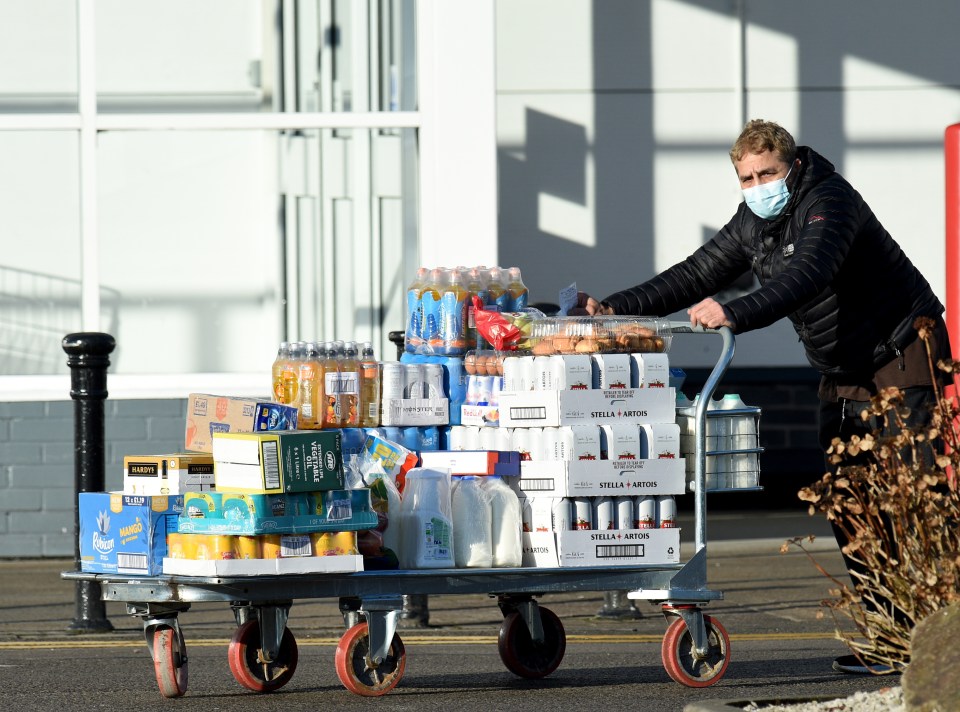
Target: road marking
67	644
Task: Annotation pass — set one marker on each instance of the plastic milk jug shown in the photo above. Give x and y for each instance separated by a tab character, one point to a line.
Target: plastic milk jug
506	522
426	527
472	526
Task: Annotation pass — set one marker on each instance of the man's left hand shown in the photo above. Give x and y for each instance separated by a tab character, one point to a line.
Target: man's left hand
710	314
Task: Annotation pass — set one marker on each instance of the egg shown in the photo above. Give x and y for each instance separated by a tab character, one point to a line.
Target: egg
470	364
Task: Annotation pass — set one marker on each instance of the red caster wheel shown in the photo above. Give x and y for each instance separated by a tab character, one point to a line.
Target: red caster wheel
170	661
248	666
684	665
355	669
521	655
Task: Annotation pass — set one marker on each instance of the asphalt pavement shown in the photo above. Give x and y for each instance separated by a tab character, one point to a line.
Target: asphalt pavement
771	609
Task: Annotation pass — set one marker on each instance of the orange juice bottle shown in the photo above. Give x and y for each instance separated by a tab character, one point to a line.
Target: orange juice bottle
283	355
349	386
332	406
290	375
311	376
369	387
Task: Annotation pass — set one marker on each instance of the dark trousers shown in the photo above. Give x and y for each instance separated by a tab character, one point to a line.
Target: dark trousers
842	420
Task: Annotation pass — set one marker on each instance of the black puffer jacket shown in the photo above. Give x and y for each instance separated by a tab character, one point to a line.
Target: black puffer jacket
826	262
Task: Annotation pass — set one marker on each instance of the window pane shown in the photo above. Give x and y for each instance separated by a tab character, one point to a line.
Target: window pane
39	41
352	56
189	246
39	279
179	55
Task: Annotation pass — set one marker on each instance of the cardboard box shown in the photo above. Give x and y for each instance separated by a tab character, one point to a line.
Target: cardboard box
540	550
480	415
415	411
251	514
473	462
125	534
618	547
611	547
207	414
346	563
167	474
519	409
599	478
274	463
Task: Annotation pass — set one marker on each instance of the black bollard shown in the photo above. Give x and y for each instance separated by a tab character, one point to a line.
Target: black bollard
88	356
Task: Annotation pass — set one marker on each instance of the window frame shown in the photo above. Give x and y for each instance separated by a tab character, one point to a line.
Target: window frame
446	64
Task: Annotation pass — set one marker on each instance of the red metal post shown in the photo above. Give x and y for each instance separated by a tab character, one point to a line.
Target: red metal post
951	150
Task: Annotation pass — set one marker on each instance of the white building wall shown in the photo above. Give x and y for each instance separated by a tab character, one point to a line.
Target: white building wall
615	118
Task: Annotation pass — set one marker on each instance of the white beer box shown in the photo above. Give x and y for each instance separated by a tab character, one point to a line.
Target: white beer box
618	547
598	478
524	409
649	370
539	550
659	440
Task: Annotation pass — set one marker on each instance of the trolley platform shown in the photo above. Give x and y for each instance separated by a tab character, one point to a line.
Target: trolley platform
370	657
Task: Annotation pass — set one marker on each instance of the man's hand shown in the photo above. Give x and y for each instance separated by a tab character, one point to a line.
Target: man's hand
588	306
710	314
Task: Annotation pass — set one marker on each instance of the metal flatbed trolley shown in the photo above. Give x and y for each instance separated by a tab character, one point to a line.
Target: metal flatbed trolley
370	656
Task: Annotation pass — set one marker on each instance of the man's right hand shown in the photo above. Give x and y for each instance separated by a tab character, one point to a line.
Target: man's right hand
588	306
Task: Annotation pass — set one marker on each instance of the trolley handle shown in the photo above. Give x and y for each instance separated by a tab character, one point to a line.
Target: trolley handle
700	421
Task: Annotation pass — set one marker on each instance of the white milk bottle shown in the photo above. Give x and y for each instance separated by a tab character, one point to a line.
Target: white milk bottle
743	434
426	527
472	525
718	430
506	522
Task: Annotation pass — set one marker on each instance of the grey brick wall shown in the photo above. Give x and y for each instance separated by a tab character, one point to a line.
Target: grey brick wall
37	494
37	448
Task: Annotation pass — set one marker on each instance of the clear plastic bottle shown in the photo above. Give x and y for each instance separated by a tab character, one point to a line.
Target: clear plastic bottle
453	316
519	294
369	387
430	305
506	521
498	299
476	287
283	355
349	386
413	336
332	407
311	376
290	375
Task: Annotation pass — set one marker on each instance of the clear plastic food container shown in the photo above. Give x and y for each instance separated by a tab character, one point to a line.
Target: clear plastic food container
485	362
599	334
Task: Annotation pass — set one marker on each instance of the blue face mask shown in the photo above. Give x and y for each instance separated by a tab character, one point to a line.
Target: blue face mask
768	200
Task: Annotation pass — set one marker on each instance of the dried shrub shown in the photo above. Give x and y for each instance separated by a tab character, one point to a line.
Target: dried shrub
896	499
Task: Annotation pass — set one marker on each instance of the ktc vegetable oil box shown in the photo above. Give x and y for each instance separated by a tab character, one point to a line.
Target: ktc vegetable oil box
274	463
208	414
126	534
167	474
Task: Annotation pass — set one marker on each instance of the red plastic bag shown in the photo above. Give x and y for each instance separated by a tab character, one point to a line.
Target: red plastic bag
502	334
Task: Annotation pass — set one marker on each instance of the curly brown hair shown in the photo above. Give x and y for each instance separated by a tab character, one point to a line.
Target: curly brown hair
759	136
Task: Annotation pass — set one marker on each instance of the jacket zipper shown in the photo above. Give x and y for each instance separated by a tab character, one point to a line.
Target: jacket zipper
898	352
